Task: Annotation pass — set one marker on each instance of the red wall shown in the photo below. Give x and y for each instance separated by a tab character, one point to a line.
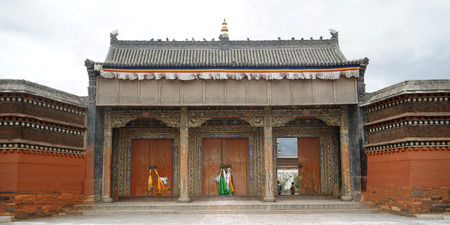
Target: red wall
40	183
8	171
407	181
50	172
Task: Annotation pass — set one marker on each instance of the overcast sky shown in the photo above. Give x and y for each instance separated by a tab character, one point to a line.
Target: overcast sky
47	41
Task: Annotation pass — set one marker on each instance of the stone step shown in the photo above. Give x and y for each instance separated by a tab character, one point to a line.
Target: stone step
150	212
223	207
268	206
235	197
219	207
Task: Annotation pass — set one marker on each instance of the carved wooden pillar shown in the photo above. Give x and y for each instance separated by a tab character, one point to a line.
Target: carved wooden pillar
268	156
184	159
345	158
107	153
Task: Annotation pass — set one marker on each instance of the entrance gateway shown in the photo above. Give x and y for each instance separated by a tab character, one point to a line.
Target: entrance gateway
190	108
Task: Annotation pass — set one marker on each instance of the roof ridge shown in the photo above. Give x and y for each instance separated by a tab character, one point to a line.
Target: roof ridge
314	43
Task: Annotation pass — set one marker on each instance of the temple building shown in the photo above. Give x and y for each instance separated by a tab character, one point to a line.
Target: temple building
190	108
182	120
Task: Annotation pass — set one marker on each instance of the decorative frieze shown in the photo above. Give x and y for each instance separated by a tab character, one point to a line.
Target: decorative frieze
332	120
41	102
411	99
19	146
226	113
197	121
254	117
410	144
281	121
301	112
40	125
408	122
254	121
171	121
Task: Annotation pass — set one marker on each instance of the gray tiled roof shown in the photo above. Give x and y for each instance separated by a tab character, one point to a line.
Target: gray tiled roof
225	53
23	86
408	87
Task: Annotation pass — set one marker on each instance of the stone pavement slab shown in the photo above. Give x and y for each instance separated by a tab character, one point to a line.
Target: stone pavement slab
5	219
282	219
433	216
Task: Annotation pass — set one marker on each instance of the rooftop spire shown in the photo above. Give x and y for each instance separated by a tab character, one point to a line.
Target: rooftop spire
224	27
224	35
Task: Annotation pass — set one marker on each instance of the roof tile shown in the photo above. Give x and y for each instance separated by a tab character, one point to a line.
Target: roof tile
236	53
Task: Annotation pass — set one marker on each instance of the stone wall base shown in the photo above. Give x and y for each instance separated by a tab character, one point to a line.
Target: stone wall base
409	200
24	205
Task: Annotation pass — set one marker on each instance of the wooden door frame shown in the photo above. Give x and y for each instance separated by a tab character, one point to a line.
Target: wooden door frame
297	136
122	156
196	156
329	160
222	143
150	144
301	170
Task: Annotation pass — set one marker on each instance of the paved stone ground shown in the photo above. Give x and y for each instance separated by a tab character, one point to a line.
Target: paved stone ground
285	219
238	219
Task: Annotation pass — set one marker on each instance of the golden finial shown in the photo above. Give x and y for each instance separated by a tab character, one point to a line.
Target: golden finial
224	27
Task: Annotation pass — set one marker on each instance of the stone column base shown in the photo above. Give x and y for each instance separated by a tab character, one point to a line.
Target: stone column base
184	200
346	198
107	199
269	199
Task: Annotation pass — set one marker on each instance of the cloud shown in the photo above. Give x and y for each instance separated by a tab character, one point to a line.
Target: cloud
47	41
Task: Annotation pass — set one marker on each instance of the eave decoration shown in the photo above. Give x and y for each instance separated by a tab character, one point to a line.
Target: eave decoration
224	73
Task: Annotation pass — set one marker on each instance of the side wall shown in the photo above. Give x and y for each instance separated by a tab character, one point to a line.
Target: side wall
409	181
408	153
44	166
40	183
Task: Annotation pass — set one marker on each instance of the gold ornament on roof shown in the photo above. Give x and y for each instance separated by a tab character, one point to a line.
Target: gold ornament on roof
224	27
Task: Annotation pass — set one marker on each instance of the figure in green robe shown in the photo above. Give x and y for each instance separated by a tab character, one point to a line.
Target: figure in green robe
222	184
